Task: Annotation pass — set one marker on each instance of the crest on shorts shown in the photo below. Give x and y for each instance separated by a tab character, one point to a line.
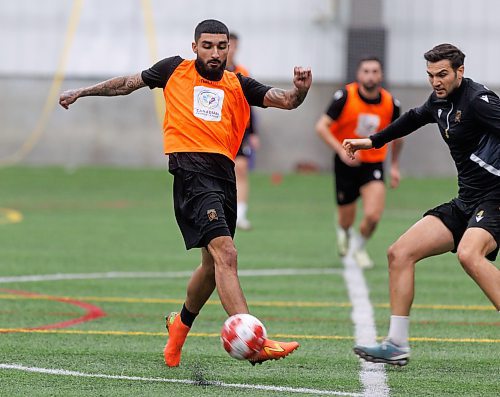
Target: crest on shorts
479	215
212	215
458	116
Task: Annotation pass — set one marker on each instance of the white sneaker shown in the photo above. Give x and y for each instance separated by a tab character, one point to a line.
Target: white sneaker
342	241
243	224
363	259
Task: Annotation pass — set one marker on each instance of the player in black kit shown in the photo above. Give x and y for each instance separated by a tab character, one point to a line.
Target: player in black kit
468	117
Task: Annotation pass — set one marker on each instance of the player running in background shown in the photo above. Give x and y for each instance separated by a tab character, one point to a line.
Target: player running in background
468	117
249	144
359	110
207	111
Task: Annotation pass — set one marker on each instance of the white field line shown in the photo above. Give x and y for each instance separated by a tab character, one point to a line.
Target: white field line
372	376
183	274
63	372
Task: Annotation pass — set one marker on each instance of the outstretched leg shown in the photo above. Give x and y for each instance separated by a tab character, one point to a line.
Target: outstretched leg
233	300
228	285
428	237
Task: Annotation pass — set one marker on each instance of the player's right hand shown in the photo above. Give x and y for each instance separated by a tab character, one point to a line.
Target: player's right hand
68	97
352	145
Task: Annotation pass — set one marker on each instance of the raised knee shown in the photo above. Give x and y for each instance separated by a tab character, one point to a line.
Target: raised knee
467	258
372	219
392	254
397	256
228	256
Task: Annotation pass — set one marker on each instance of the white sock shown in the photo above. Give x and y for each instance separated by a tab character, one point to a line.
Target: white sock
347	233
341	230
399	330
241	210
361	241
358	240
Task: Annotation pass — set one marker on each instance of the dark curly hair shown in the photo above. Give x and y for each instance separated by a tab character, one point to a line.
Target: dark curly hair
446	51
211	26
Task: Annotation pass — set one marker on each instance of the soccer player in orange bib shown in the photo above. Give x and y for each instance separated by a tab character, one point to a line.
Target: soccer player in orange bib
358	110
207	111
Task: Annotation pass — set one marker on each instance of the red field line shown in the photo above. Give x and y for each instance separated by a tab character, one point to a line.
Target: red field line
91	312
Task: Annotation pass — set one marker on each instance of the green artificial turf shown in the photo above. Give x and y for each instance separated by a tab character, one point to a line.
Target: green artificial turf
95	220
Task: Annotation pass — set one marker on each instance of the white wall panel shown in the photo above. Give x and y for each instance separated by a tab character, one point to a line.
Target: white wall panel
111	37
31	35
416	26
276	35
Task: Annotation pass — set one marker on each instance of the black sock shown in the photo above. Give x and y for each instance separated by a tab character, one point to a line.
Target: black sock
187	317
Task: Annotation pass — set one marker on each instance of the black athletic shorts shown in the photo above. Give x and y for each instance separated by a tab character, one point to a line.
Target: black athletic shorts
205	207
348	180
485	215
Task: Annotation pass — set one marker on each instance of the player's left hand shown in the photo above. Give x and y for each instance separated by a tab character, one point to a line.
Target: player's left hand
302	78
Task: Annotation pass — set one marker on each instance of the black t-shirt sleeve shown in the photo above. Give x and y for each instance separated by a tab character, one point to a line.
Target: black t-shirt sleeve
253	90
158	74
250	128
404	125
396	112
337	104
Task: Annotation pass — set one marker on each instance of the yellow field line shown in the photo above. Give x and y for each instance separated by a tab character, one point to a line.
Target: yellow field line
8	215
216	335
454	340
441	307
118	299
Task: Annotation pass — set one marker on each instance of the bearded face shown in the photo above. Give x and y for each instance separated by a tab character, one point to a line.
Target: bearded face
370	75
211	55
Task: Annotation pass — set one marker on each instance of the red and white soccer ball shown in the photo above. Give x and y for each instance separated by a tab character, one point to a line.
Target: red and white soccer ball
242	336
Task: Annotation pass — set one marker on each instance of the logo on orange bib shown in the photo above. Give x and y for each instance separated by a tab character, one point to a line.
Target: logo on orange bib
208	103
368	124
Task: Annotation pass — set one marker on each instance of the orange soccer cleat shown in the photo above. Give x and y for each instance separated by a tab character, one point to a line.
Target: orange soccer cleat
177	333
273	350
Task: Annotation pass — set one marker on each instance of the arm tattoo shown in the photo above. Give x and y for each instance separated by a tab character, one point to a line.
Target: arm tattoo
134	82
117	86
299	98
283	99
276	97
